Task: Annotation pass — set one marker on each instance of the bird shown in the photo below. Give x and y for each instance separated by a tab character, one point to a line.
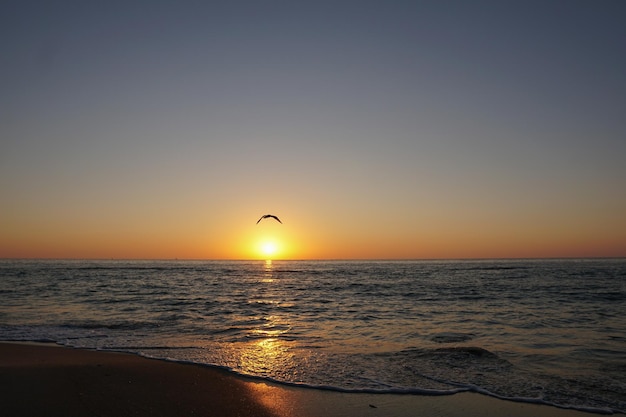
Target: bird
267	216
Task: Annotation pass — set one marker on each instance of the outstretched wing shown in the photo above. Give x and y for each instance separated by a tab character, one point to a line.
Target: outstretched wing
269	215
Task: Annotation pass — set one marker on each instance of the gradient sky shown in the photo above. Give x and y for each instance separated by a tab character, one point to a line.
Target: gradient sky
373	129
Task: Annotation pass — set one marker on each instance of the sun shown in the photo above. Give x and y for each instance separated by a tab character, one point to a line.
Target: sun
268	248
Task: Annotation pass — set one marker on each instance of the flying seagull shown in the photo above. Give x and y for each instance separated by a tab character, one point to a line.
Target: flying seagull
269	215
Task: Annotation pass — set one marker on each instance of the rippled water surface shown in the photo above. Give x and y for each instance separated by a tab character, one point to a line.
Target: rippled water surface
551	331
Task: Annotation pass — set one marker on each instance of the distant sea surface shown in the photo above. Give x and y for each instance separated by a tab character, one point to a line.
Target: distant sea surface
542	331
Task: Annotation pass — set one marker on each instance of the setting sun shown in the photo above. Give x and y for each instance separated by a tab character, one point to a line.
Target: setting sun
268	248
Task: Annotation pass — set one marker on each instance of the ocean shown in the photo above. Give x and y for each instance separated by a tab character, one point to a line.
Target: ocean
540	331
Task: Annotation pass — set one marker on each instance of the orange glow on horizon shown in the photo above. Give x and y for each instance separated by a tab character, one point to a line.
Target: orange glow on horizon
306	237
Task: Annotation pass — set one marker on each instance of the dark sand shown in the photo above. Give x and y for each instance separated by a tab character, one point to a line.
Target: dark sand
47	380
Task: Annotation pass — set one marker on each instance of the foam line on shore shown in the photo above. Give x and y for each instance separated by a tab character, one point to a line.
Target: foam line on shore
42	379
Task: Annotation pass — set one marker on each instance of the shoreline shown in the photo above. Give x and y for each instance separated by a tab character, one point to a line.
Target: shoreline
54	380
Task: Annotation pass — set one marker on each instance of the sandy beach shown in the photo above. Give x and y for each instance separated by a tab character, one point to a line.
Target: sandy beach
38	380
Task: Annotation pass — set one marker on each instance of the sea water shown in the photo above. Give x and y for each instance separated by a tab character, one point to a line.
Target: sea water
544	331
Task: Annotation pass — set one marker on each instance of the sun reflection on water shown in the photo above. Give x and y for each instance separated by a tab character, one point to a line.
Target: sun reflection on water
268	271
266	357
274	327
266	348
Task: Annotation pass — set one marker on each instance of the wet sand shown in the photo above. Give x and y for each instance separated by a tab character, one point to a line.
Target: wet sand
48	380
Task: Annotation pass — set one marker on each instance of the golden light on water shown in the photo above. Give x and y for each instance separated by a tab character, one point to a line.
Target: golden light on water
270	354
268	276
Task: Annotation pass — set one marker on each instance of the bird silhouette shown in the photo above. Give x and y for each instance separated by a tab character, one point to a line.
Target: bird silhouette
267	216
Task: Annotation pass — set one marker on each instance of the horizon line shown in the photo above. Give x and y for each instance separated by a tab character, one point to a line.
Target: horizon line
309	259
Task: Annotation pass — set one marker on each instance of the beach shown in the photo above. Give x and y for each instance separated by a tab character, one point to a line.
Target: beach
46	379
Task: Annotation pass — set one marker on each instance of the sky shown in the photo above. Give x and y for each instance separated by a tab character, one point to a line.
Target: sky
372	129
